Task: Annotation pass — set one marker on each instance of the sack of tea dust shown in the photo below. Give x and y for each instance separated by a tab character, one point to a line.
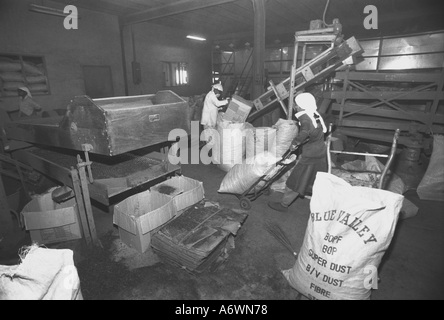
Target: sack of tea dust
43	274
348	232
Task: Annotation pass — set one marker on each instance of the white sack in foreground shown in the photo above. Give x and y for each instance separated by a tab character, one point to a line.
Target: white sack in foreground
43	274
348	232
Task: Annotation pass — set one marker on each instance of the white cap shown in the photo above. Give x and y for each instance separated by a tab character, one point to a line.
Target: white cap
218	86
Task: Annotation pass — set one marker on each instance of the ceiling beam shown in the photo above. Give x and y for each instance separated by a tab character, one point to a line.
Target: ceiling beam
170	9
355	25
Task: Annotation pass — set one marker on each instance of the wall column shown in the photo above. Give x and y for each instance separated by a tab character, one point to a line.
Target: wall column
259	48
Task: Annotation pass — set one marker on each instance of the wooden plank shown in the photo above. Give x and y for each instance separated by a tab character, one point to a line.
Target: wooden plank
389	77
325	104
323	38
278	95
100	192
112	126
435	103
178	7
5	211
9	174
80	205
88	208
408	115
377	135
387	95
44	166
384	125
390	125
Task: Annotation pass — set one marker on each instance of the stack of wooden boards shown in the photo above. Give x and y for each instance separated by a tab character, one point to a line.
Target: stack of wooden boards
200	238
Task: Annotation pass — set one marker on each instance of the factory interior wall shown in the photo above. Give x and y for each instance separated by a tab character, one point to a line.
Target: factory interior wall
96	42
154	44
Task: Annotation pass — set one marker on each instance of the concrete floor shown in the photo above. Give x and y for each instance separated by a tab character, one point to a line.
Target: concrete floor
412	268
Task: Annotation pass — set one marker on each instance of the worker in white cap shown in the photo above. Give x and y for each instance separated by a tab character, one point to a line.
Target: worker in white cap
212	106
27	106
313	157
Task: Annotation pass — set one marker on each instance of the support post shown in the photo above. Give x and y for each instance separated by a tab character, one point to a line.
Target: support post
5	212
80	205
259	47
292	80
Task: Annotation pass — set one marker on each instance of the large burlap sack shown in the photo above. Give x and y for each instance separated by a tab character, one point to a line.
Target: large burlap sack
38	87
36	79
11	77
286	131
30	68
242	176
431	186
348	232
10	66
43	274
12	85
260	140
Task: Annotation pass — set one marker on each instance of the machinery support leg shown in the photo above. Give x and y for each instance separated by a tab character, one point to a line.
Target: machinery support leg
88	208
80	205
5	212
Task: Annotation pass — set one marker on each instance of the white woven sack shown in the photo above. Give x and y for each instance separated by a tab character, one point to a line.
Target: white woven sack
286	131
259	140
242	176
11	76
229	149
348	232
43	274
10	66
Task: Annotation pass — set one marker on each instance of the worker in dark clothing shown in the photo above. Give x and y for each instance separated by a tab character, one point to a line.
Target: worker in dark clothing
313	157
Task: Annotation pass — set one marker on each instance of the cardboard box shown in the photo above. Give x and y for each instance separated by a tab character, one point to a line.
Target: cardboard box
141	213
184	191
50	222
238	109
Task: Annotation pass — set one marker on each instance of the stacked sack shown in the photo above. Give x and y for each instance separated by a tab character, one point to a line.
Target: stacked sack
264	148
230	148
286	131
15	74
260	140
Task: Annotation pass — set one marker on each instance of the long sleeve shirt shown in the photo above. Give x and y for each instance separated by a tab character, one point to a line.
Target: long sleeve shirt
210	109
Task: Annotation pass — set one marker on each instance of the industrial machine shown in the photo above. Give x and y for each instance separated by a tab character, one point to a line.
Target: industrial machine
305	72
397	83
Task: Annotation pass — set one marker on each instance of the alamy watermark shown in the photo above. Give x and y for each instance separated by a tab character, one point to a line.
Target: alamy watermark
371	21
71	21
227	146
371	280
